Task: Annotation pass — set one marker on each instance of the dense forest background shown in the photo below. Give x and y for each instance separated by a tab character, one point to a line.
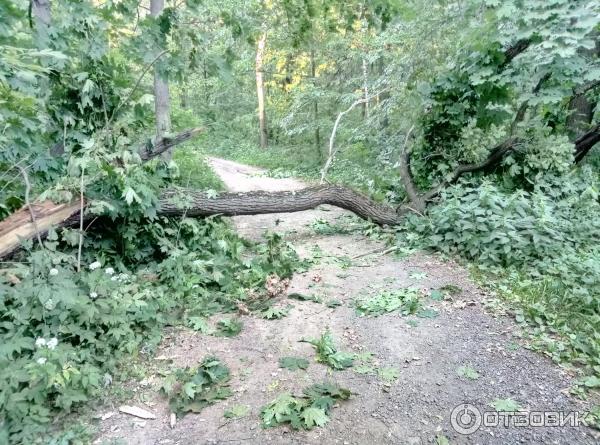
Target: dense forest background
478	118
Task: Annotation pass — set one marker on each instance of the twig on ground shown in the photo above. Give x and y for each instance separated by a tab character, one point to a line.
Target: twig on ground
380	251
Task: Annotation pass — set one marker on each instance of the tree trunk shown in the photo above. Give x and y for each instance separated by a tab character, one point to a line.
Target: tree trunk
19	226
581	108
260	202
313	74
40	10
365	88
260	91
162	102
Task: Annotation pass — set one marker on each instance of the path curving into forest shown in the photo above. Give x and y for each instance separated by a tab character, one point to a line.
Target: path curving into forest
427	352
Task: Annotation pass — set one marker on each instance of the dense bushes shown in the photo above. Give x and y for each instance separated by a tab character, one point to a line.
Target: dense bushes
63	333
545	240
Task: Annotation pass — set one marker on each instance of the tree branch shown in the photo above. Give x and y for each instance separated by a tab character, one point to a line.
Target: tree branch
332	152
585	142
513	51
151	150
415	198
497	154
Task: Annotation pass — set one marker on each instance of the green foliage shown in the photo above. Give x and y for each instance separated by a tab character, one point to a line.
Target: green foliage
228	327
407	301
468	372
306	412
236	412
64	332
388	375
506	405
328	354
275	313
545	241
98	317
293	363
193	389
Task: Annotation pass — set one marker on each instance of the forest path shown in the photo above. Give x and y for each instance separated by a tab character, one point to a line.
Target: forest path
426	352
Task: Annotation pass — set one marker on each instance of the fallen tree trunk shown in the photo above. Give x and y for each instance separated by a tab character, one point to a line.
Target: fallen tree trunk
196	203
19	226
256	203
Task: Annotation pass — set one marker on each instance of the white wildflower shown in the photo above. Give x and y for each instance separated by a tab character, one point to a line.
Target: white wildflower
109	271
52	343
93	295
40	341
53	271
49	304
41	360
95	265
113	279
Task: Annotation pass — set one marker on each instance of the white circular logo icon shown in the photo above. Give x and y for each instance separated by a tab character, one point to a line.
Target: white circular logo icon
465	419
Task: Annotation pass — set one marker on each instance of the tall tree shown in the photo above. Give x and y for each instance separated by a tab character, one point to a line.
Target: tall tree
162	101
40	10
260	90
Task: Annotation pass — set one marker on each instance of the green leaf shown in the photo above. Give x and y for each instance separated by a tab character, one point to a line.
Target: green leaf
436	295
440	439
505	405
228	327
389	374
314	417
293	363
130	196
592	381
274	313
468	372
236	412
427	313
200	324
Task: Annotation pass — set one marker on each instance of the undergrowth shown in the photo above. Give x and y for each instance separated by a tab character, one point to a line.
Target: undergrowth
328	353
64	334
538	249
310	410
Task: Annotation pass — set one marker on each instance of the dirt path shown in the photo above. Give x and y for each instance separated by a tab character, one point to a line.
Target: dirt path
427	352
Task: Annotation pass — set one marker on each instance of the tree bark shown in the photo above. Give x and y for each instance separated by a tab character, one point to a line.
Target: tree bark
313	74
581	108
365	88
260	90
41	11
151	150
260	202
585	142
162	101
195	203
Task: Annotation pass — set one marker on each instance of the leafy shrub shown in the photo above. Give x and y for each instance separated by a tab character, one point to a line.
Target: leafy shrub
193	389
545	241
306	412
328	353
407	301
63	333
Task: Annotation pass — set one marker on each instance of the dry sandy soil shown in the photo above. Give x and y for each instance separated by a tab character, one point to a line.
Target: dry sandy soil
415	409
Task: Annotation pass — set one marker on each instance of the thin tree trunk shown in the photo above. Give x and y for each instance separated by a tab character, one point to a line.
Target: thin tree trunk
260	91
313	73
40	10
581	108
162	101
365	88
